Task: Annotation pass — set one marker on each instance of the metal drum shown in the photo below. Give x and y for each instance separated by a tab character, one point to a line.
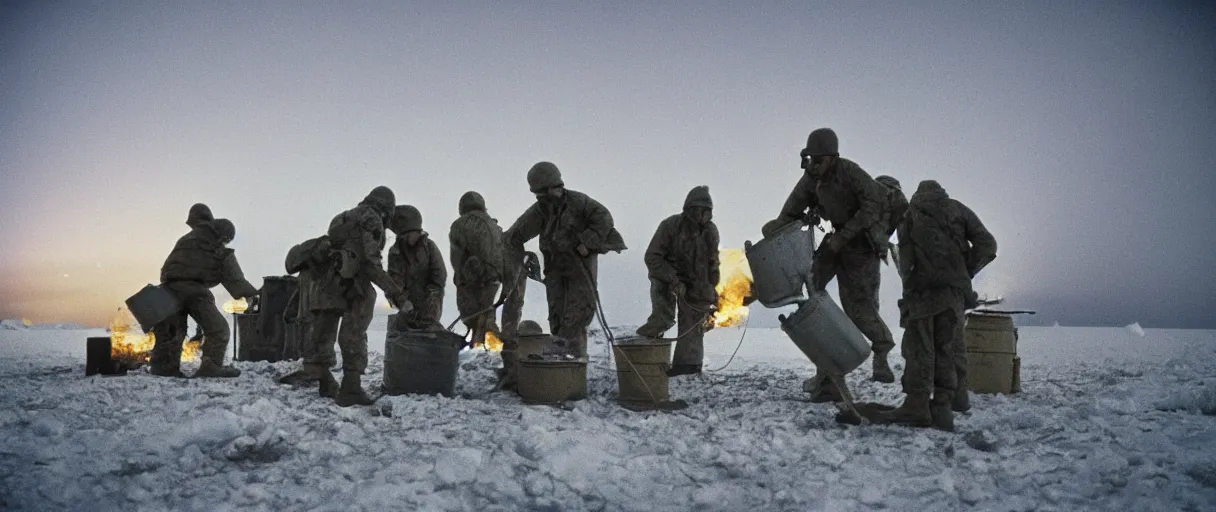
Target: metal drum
781	264
421	362
823	332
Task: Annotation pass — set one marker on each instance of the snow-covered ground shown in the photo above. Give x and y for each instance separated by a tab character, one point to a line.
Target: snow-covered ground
1109	420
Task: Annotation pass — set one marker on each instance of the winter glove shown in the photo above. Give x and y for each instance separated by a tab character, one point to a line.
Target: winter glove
971	300
404	306
532	267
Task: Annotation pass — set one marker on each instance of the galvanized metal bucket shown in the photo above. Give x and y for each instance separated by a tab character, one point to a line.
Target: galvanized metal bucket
152	305
538	344
641	369
421	362
551	381
781	264
826	335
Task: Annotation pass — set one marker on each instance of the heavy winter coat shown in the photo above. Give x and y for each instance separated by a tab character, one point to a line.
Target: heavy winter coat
845	195
475	240
358	237
200	261
684	251
420	271
942	246
562	226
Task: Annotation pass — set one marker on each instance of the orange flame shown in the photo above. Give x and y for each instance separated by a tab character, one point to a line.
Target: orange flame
734	286
493	343
236	306
133	347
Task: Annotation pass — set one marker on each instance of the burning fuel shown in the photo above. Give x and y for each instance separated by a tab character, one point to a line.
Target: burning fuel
134	348
734	286
493	344
236	306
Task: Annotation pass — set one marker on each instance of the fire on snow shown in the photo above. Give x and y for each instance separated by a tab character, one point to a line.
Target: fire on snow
734	286
134	347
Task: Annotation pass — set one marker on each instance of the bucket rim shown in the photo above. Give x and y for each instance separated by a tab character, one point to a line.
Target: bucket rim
553	362
641	341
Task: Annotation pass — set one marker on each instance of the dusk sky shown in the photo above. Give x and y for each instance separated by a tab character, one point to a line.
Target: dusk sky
1082	133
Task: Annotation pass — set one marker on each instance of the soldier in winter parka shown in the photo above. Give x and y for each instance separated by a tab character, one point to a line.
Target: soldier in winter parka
942	246
167	350
340	293
574	230
839	191
415	264
475	242
682	261
200	261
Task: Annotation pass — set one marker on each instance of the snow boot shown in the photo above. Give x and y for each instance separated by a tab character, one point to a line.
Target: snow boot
684	369
882	370
209	368
962	400
651	331
506	376
306	374
823	390
941	413
914	412
166	370
329	385
351	392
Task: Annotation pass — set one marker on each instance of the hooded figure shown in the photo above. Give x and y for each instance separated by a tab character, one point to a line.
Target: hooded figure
574	230
475	240
415	264
340	291
942	246
682	261
198	262
840	191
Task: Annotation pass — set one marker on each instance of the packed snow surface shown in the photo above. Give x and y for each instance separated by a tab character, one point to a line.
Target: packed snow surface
1107	420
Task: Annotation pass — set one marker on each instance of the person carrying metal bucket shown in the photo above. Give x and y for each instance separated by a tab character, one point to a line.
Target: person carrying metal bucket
574	230
942	246
840	191
167	348
682	261
202	260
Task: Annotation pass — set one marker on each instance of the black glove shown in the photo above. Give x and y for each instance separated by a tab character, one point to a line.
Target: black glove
532	267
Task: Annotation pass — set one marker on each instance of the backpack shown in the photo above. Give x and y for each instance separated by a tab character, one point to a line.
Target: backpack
307	253
939	259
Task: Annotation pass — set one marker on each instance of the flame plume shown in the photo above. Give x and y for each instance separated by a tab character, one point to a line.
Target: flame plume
734	286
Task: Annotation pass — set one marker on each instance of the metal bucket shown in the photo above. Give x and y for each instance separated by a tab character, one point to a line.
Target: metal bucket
421	362
823	332
539	344
152	305
551	381
641	369
249	345
781	264
98	360
991	343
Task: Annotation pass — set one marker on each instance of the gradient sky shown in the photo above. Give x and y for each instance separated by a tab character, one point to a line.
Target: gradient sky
1082	133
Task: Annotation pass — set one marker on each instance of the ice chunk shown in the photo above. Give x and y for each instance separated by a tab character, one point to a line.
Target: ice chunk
1135	328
